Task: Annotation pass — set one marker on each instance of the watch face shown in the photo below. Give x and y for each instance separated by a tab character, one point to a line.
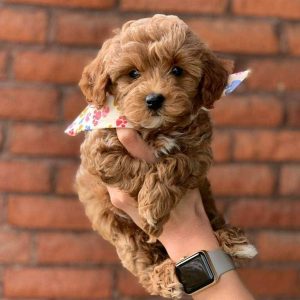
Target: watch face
194	273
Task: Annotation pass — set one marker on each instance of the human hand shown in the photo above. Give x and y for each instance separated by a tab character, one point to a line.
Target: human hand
188	220
188	229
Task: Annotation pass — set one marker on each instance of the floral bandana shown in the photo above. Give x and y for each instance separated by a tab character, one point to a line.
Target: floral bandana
109	116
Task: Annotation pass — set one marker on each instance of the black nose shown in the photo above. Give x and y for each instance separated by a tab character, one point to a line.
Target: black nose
154	101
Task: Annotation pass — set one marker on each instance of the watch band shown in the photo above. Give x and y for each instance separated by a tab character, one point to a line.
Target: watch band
221	261
202	269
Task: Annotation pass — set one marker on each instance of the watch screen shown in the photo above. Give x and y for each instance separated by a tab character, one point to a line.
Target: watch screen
194	273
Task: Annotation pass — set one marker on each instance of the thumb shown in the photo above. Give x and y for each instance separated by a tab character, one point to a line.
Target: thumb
135	145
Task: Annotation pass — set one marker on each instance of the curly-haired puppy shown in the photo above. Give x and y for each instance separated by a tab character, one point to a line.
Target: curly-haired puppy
160	75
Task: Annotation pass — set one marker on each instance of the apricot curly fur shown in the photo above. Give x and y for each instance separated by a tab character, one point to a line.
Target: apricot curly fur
180	134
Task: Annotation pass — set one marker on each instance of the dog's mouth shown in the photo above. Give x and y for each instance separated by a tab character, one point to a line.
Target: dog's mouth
154	121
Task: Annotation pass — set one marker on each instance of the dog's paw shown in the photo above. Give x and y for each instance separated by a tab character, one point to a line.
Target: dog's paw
164	281
235	243
246	251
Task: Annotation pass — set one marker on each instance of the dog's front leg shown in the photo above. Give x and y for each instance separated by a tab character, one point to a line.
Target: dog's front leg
164	186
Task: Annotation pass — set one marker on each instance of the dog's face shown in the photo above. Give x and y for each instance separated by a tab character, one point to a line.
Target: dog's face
159	72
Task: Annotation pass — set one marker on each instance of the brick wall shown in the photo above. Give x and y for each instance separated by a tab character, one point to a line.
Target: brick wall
47	250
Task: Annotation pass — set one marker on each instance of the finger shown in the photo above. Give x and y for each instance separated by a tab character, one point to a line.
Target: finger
120	199
123	201
135	145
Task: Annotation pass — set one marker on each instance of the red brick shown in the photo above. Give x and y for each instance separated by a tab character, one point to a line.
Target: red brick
237	36
271	281
65	179
22	25
86	248
265	213
1	137
128	285
274	75
42	212
278	8
290	180
28	104
14	247
96	4
19	176
57	283
238	180
73	105
85	29
189	6
43	140
293	38
50	66
293	113
3	57
2	209
221	146
248	111
279	246
267	145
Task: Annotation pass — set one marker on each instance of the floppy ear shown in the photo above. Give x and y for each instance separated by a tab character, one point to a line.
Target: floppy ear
95	79
214	79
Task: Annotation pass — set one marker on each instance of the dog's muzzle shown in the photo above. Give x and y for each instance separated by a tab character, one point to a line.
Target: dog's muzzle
154	101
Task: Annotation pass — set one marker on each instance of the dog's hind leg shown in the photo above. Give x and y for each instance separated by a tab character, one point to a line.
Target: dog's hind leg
232	239
235	243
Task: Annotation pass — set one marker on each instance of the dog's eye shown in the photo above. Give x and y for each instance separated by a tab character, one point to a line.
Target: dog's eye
134	74
176	71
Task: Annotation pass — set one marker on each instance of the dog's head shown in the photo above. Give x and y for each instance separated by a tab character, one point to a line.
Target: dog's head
158	71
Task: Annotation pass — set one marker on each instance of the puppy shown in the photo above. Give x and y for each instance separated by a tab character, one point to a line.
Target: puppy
161	76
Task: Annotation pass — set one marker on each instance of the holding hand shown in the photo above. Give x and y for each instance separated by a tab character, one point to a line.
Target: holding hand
188	229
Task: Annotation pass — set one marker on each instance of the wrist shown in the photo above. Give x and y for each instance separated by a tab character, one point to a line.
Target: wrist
183	242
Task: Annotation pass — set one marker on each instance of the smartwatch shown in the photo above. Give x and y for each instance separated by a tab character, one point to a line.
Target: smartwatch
202	269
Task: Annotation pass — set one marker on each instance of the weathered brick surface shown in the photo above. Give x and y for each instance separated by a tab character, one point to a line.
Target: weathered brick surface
240	180
23	26
248	111
57	283
85	29
279	246
290	180
19	176
65	179
293	113
265	213
1	136
276	281
237	36
47	247
14	247
50	66
3	57
93	4
278	8
85	248
221	146
74	103
282	75
128	285
41	212
31	104
293	39
189	6
43	140
267	145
